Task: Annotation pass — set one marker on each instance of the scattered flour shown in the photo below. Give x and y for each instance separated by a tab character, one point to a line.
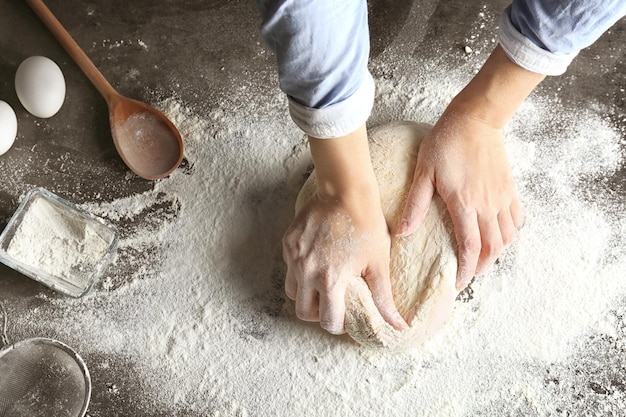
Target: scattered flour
210	326
193	320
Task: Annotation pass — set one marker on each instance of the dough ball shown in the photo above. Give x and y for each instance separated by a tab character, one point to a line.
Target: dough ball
423	266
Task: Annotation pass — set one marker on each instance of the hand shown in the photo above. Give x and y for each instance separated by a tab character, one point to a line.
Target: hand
328	244
339	234
464	161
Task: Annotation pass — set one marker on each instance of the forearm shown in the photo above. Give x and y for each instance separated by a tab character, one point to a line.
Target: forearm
496	92
343	168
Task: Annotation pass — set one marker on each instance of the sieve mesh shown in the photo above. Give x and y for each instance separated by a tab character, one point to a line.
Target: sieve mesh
42	377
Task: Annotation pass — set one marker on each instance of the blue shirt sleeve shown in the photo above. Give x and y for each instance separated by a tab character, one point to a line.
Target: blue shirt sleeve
322	49
545	35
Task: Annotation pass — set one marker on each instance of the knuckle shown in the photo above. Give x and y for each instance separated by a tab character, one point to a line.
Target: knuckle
290	244
327	280
471	246
492	250
509	237
306	265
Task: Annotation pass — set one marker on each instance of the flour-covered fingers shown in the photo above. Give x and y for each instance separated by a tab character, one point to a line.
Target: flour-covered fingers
517	213
291	284
417	203
507	227
291	279
491	243
307	304
380	286
469	242
332	310
290	256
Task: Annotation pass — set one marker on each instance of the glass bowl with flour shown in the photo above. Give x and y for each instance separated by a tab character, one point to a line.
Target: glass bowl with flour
56	243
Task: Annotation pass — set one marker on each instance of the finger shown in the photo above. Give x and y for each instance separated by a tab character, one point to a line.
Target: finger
417	203
517	214
332	310
469	242
380	286
291	284
507	227
491	244
307	304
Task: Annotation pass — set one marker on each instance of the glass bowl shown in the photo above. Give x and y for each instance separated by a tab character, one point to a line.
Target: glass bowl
57	244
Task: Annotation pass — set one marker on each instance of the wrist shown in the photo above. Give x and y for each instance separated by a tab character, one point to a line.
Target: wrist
343	168
496	92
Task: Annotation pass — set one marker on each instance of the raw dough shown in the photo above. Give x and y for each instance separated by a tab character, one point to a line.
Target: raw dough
423	266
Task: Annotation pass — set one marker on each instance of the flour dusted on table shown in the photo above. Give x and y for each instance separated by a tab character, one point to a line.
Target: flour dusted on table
194	321
57	243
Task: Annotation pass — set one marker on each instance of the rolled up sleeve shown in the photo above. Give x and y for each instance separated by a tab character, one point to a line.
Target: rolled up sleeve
322	49
544	36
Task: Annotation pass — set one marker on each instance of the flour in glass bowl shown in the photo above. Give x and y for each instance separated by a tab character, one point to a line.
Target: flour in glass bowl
62	245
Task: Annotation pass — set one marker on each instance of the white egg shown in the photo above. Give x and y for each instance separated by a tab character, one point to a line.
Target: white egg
8	127
40	86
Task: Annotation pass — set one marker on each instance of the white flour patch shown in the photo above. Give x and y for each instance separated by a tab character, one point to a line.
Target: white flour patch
206	330
60	244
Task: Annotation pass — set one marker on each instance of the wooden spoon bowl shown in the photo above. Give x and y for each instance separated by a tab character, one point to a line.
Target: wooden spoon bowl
146	140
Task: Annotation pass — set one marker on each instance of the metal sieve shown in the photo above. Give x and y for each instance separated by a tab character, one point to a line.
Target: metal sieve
42	377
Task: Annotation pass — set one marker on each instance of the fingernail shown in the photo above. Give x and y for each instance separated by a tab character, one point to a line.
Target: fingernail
462	281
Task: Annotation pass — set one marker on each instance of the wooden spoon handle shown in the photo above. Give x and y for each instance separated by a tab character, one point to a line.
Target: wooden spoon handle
72	48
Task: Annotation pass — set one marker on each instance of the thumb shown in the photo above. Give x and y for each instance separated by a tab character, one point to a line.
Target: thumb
417	203
380	286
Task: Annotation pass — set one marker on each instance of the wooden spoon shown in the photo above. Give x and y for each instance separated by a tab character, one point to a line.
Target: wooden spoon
145	138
